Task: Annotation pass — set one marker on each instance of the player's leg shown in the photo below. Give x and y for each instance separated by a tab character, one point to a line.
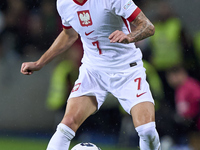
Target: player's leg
143	115
133	93
78	109
87	96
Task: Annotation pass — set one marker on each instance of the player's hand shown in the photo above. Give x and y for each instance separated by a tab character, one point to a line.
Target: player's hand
28	68
120	37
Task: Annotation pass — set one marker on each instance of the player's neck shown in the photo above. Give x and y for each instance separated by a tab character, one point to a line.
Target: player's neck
80	1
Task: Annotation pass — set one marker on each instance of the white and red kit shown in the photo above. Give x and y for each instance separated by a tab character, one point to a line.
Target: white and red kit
94	21
107	67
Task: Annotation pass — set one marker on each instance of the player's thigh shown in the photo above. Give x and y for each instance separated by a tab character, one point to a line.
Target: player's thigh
143	113
78	109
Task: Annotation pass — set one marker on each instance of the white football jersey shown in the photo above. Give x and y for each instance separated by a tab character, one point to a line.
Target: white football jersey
94	21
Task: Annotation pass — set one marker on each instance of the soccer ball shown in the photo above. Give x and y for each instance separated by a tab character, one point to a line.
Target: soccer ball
85	146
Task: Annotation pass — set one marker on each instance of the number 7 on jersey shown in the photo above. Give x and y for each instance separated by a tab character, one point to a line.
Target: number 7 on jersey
96	43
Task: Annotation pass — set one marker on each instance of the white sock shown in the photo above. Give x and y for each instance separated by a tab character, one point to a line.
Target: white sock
149	138
61	138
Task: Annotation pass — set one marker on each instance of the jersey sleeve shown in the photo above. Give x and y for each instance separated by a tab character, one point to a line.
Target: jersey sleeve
125	8
60	9
65	24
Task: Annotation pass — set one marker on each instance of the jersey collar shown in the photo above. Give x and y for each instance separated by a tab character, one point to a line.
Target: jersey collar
80	3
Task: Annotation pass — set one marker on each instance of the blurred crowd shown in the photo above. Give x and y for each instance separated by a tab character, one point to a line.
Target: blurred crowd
171	58
27	27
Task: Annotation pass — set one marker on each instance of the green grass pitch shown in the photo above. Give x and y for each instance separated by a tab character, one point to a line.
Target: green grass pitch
16	143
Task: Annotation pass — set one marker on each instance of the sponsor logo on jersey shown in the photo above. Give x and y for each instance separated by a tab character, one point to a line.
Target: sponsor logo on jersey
84	18
88	33
138	95
128	4
76	87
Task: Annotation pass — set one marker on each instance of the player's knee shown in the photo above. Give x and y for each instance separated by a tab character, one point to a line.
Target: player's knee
71	122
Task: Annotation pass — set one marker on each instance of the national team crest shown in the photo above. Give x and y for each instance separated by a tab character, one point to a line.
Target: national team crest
85	18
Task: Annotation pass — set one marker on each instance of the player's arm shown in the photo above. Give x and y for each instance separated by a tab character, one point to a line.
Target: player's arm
65	39
143	28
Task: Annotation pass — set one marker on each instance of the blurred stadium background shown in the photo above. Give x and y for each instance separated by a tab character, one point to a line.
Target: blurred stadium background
28	115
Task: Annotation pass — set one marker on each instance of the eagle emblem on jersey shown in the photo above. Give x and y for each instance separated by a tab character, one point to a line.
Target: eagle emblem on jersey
85	18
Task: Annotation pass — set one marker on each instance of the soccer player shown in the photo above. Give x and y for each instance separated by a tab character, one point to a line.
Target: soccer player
111	63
